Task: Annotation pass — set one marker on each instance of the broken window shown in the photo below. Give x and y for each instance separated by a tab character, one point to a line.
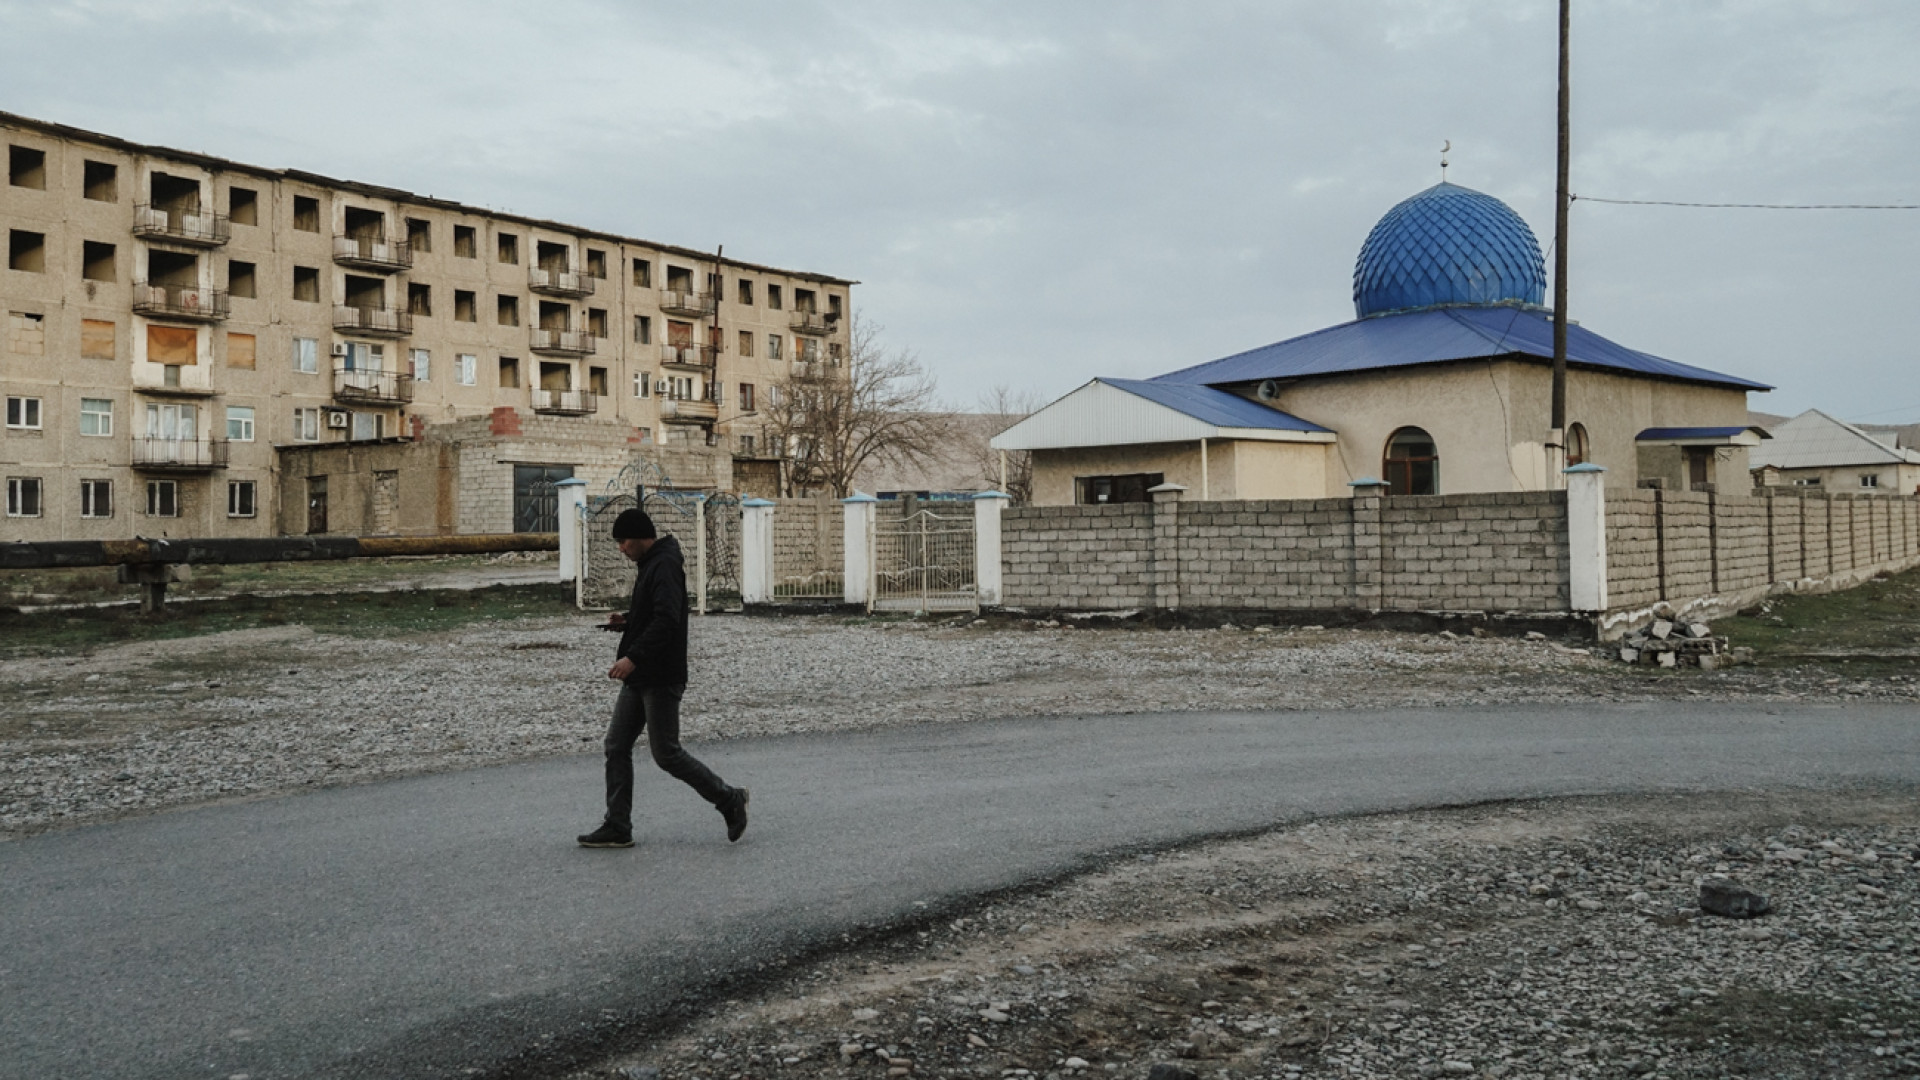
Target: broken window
597	381
679	279
419	299
833	308
508	311
306	213
773	297
419	234
555	259
96	261
102	181
466	243
179	196
597	322
746	292
803	300
27	167
364	224
366	293
243	206
240	278
509	373
596	263
464	306
306	284
175	269
27	251
97	339
643	273
509	246
642	330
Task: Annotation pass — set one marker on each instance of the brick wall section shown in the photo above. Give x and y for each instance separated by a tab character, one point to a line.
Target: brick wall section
1077	557
808	538
1633	547
1488	552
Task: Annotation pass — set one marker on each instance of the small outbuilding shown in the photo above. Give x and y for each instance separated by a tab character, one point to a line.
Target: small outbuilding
1815	450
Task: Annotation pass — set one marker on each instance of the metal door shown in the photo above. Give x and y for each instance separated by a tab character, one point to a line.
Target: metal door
536	505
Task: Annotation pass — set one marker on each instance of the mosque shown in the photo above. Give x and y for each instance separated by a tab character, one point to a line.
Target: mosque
1441	384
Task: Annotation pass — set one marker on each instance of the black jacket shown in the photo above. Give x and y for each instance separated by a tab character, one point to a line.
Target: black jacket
655	638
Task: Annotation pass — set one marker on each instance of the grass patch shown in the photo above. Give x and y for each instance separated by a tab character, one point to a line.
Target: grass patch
97	583
1872	629
364	614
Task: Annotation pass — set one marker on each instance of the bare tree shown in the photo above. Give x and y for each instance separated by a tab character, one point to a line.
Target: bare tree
833	417
1001	408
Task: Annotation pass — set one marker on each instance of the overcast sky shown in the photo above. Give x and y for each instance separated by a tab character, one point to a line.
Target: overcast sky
1033	194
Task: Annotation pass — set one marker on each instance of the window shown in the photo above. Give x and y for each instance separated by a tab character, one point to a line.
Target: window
240	423
306	425
746	397
28	332
243	206
97	339
240	498
464	306
96	261
746	343
646	435
835	353
809	350
96	498
509	248
466	242
306	213
240	350
596	263
102	181
643	384
643	330
306	284
306	354
27	251
96	416
746	291
746	445
419	234
240	279
1577	450
773	297
509	373
27	167
1807	481
421	363
163	498
367	425
774	347
419	299
23	496
597	322
1412	463
1124	488
1869	480
773	396
507	311
466	369
643	273
597	381
23	413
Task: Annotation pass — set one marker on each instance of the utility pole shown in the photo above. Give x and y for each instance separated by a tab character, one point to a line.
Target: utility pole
1557	433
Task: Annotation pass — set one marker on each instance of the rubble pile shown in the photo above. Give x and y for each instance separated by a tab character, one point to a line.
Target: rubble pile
1677	643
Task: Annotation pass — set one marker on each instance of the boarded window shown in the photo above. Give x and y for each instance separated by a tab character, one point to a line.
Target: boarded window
746	343
96	339
172	345
240	350
27	333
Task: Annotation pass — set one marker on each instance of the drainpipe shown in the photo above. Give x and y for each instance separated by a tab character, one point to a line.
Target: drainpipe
1204	490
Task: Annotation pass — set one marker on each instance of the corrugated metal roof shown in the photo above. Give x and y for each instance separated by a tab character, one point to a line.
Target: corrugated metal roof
1657	434
1434	337
1814	440
1125	412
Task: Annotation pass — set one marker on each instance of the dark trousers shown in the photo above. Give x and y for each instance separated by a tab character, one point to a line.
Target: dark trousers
656	709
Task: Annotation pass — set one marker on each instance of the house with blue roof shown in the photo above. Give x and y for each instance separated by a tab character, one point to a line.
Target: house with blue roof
1441	384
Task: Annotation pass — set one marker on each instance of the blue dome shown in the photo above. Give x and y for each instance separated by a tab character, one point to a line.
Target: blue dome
1448	246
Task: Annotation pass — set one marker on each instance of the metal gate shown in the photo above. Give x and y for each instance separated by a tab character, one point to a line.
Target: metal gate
707	524
924	562
536	506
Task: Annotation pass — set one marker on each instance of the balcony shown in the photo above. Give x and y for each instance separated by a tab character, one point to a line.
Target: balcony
559	283
187	302
195	228
561	342
810	322
565	402
372	253
689	412
155	454
680	302
371	320
689	356
369	387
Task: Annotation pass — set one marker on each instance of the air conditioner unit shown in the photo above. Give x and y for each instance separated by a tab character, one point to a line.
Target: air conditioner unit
662	387
339	348
336	419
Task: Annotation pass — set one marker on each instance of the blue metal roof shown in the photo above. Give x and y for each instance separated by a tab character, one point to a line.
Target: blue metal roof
1448	245
1659	433
1435	336
1216	407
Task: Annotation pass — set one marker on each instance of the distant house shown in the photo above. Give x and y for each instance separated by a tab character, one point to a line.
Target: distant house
1816	450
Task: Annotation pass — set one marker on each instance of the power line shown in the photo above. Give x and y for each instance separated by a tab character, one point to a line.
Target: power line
1749	206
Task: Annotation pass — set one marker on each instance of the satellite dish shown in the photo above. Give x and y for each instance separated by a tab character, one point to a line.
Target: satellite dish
1267	391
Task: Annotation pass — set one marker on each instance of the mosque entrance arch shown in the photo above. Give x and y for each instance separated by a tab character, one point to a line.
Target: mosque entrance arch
1412	465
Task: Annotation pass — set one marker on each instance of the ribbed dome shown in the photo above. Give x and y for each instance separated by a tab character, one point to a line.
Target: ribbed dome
1446	246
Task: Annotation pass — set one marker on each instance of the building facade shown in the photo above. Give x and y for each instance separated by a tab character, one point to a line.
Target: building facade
198	347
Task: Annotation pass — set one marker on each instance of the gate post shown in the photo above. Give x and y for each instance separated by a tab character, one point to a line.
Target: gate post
571	512
756	551
1586	538
857	546
986	546
700	552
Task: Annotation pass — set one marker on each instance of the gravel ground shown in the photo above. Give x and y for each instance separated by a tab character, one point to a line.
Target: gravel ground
1521	940
176	722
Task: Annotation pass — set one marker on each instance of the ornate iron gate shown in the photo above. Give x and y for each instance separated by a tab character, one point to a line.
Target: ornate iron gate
924	562
706	524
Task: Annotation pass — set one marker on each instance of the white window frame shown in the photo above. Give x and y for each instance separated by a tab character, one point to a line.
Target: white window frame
241	424
306	424
466	369
90	501
643	384
1870	480
24	413
26	497
421	362
102	420
306	355
252	507
158	506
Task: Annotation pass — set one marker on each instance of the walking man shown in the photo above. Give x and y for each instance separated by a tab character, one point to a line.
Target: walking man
651	667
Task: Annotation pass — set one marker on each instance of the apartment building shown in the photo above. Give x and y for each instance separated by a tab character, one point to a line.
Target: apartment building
198	347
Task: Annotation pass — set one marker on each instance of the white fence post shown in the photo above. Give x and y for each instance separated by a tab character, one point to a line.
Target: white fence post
756	551
986	546
572	511
857	544
1587	537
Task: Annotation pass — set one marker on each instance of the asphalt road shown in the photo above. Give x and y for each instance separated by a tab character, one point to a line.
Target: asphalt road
447	925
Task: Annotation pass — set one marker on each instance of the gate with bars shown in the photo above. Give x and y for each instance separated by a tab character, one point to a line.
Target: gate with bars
706	523
924	561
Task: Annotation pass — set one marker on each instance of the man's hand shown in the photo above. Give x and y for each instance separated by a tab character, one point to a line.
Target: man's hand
621	668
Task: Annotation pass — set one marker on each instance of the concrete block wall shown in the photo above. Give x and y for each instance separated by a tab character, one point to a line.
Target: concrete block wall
1077	557
1266	554
1633	547
1502	551
807	537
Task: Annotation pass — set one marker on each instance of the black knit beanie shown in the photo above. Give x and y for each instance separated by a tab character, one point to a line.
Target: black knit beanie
633	525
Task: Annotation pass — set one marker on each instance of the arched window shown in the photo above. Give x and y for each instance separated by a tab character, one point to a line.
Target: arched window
1412	466
1577	451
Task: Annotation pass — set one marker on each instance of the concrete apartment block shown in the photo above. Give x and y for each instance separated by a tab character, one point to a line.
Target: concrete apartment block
193	346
